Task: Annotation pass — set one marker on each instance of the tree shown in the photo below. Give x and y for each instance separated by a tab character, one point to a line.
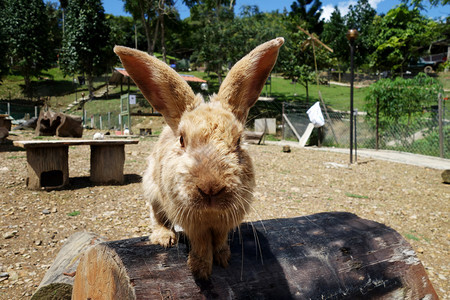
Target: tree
27	30
308	11
334	36
399	36
85	45
215	33
418	3
360	17
153	15
3	41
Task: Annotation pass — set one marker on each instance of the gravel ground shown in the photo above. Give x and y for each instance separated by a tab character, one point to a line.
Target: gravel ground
34	224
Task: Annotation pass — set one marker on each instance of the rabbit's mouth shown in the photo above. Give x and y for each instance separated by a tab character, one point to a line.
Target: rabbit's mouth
212	198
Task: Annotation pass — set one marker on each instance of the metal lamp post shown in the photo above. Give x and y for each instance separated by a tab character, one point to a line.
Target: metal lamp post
352	35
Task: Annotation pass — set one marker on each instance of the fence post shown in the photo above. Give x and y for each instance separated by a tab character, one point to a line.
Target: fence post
377	133
101	125
441	129
92	121
282	121
35	111
9	108
109	120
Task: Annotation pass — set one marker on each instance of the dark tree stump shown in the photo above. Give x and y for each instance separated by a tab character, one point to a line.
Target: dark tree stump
323	256
51	123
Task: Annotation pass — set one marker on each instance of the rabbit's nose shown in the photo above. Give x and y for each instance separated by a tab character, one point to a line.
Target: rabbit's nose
210	190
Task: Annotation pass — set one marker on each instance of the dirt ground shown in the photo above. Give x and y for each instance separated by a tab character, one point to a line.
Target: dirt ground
35	224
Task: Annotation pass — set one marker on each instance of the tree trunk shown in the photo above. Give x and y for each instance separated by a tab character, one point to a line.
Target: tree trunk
307	91
161	22
323	256
155	36
146	24
59	278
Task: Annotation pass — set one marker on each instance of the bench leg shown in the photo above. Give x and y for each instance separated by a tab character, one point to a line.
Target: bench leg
48	167
107	164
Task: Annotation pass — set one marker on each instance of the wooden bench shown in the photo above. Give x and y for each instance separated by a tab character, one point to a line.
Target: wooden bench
48	165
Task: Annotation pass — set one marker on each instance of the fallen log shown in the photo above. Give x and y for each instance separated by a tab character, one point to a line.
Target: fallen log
323	256
58	280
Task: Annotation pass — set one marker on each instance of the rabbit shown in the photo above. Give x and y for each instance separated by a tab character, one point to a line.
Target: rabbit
199	176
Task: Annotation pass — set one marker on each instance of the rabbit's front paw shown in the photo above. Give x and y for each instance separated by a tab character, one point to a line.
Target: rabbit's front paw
201	267
222	255
163	236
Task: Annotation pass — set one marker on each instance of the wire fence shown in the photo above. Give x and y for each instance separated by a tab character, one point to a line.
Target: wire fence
421	134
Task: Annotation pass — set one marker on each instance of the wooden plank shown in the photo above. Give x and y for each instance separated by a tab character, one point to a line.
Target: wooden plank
57	143
323	256
306	135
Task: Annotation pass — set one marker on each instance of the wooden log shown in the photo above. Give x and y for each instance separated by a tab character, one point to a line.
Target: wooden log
3	134
47	123
71	126
322	256
58	280
48	167
107	164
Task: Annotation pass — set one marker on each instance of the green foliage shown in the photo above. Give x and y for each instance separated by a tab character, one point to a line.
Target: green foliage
3	41
85	48
399	35
360	17
27	29
401	102
333	35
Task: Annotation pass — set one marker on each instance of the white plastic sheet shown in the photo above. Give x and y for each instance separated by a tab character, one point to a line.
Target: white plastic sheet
315	115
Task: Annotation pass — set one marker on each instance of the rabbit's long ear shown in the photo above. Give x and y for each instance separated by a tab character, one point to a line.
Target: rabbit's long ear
164	88
243	84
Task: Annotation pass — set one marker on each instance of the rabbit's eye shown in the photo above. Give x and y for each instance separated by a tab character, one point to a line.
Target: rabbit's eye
182	141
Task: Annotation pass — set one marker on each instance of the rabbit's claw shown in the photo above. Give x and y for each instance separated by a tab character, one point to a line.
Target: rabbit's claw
164	237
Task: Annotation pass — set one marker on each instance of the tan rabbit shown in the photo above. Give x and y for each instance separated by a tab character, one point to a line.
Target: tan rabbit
198	176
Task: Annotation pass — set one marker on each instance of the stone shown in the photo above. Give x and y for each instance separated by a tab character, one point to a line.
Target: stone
46	212
10	234
286	149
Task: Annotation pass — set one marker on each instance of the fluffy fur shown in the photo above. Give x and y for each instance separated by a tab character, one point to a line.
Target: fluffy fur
199	176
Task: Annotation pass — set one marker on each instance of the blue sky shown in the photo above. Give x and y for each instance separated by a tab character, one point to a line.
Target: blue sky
115	7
